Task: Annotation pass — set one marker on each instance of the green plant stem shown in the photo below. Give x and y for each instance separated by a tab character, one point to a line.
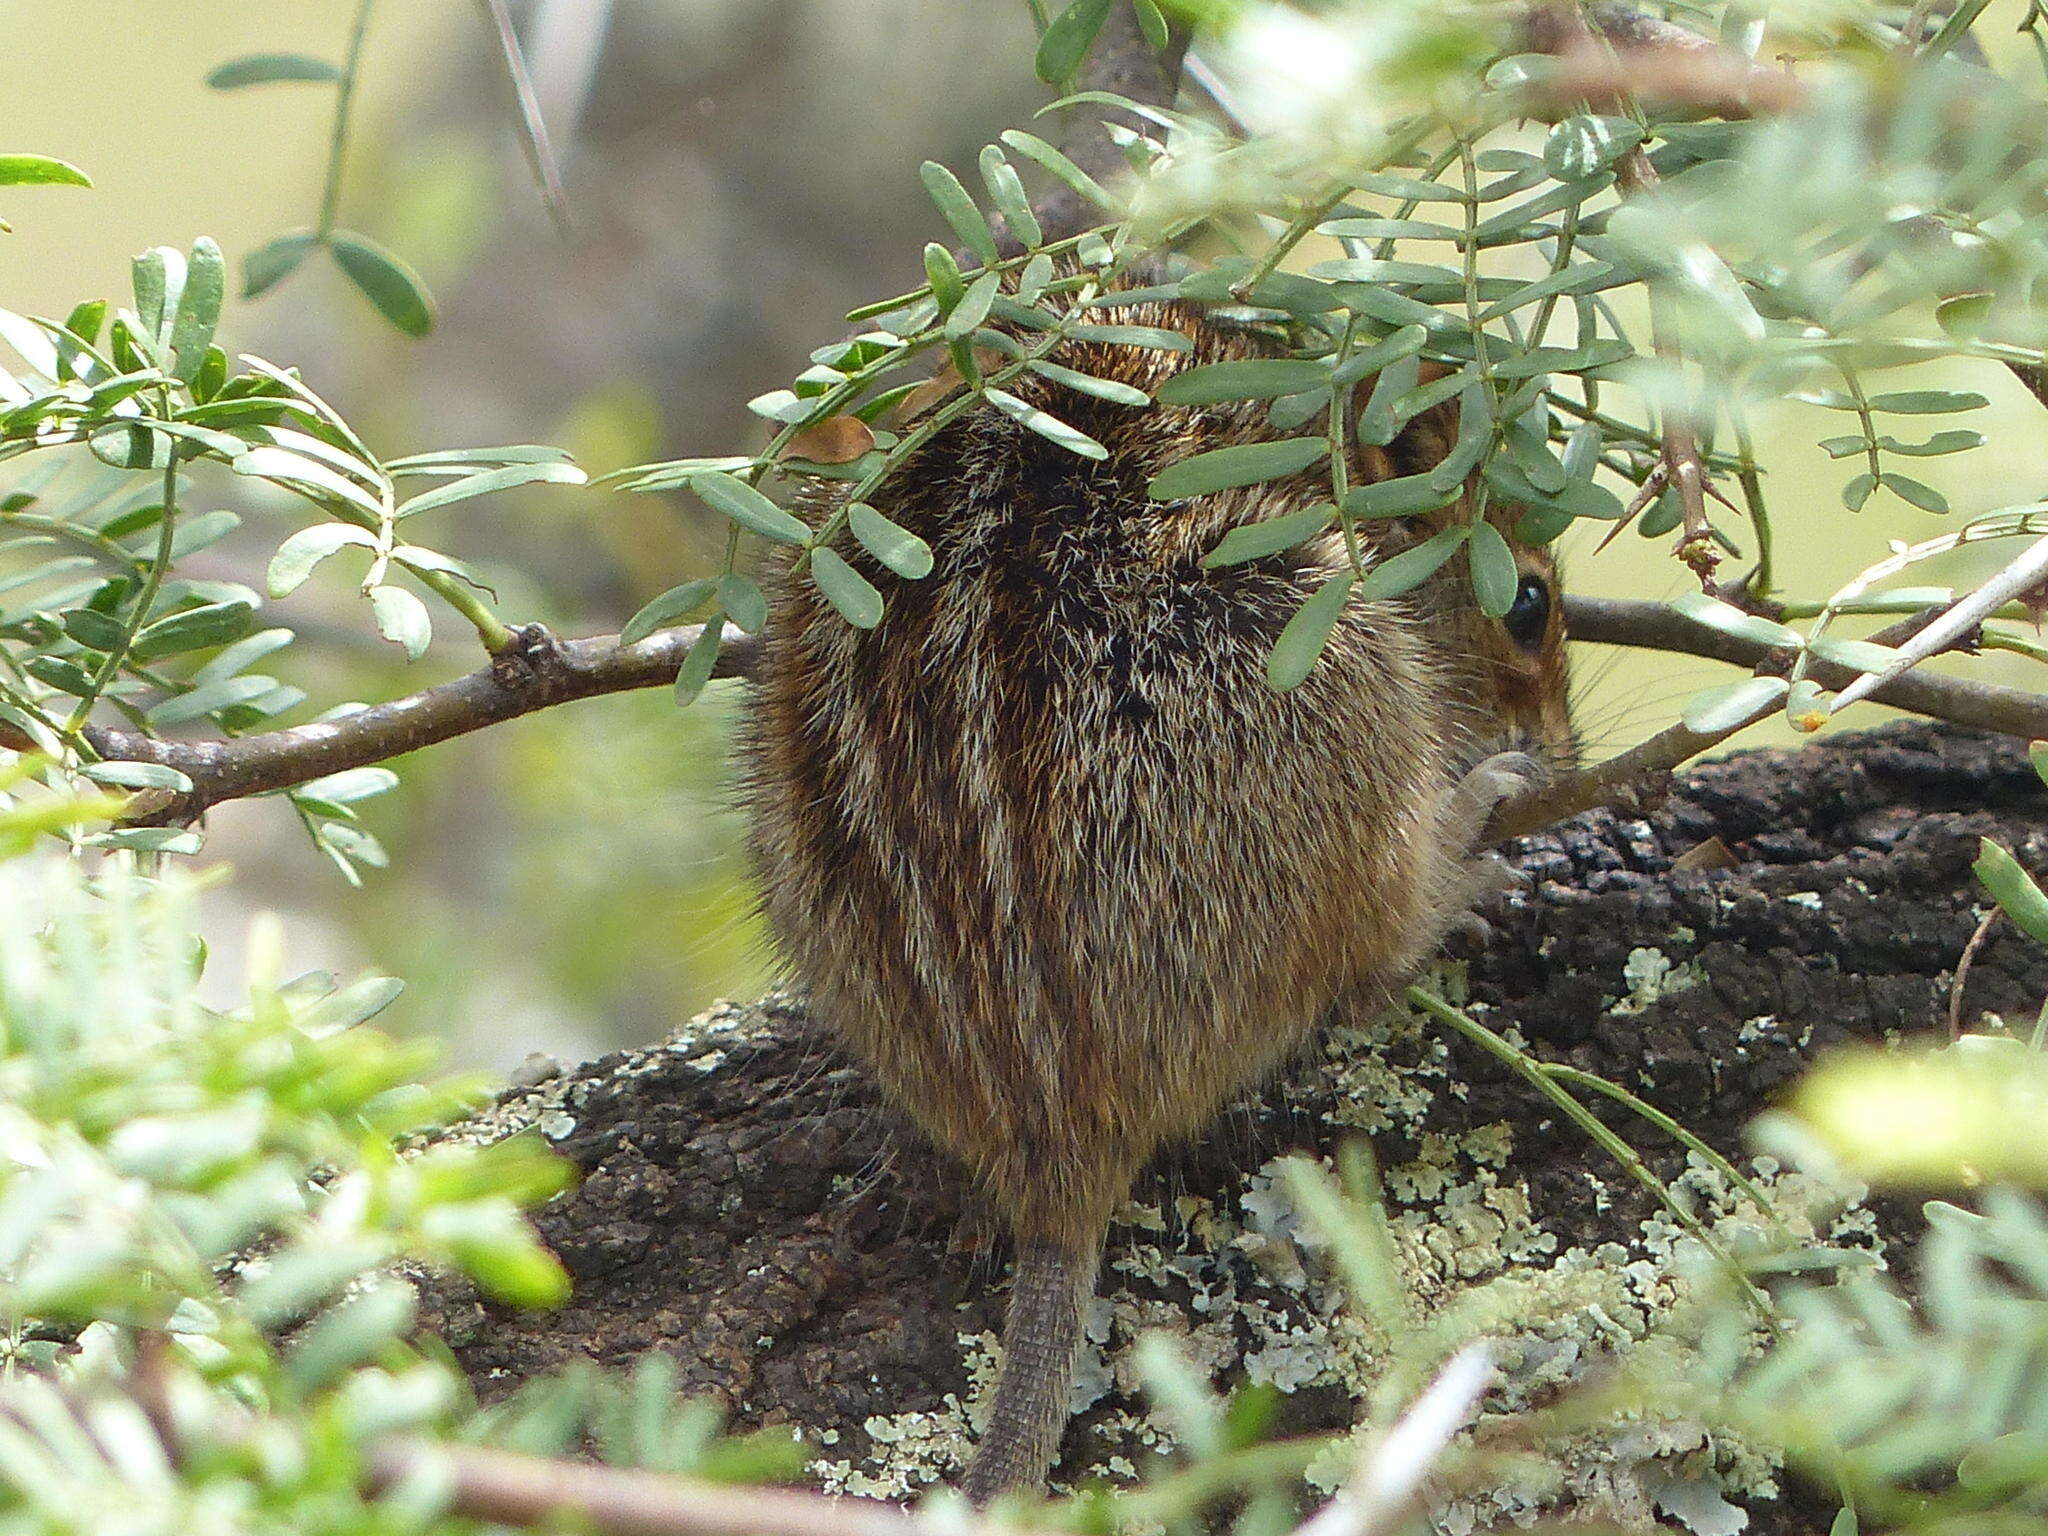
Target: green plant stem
1761	580
1537	1075
1558	1072
1340	451
490	629
152	584
337	138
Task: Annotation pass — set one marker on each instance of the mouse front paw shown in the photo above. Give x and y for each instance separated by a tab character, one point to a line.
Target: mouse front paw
1484	786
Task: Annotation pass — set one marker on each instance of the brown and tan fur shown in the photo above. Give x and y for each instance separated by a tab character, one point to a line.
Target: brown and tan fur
1053	856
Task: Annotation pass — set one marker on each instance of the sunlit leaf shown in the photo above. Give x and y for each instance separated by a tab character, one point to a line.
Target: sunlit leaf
402	619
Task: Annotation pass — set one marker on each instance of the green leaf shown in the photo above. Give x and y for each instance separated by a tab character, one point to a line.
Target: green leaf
126	775
1067	40
1254	541
271	69
2013	889
65	676
87	320
149	839
387	282
1404	342
749	508
1152	22
1412	567
193	629
274	261
896	547
197	533
959	210
1920	494
206	278
297	557
1964	316
1941	443
347	788
1858	490
1580	277
96	631
1112	390
402	619
973	307
1302	641
40	171
443	461
159	279
1046	425
497	1250
208	698
943	273
1032	282
743	601
1928	402
1586	144
1151	336
1495	576
1721	709
1057	165
552	471
695	671
1402	497
305	475
849	591
1730	620
1006	191
1251	378
1242	464
675	603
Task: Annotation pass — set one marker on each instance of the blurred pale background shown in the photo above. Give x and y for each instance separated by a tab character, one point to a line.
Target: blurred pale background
740	173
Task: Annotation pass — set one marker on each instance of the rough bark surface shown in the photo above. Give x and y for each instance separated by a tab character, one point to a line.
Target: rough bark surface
749	1207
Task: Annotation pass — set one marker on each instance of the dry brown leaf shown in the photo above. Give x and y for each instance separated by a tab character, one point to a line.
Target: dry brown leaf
835	440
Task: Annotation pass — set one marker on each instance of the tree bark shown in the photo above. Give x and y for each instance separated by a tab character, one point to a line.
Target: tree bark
750	1207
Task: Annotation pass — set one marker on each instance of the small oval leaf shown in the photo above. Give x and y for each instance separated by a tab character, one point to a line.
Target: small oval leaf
896	547
1242	464
271	69
850	592
675	603
1302	641
398	292
749	508
402	619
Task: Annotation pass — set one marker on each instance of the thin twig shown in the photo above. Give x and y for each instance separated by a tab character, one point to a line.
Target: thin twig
1962	976
533	137
509	1488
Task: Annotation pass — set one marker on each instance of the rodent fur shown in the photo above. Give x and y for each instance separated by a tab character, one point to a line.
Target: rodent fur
1053	856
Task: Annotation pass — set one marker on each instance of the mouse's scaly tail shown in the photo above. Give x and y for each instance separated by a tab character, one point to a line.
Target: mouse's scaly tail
1041	1337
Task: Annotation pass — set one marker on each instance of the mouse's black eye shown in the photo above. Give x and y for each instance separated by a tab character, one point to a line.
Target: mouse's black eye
1529	619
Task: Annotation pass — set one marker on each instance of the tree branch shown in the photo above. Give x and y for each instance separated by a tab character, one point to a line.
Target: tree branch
542	672
537	673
